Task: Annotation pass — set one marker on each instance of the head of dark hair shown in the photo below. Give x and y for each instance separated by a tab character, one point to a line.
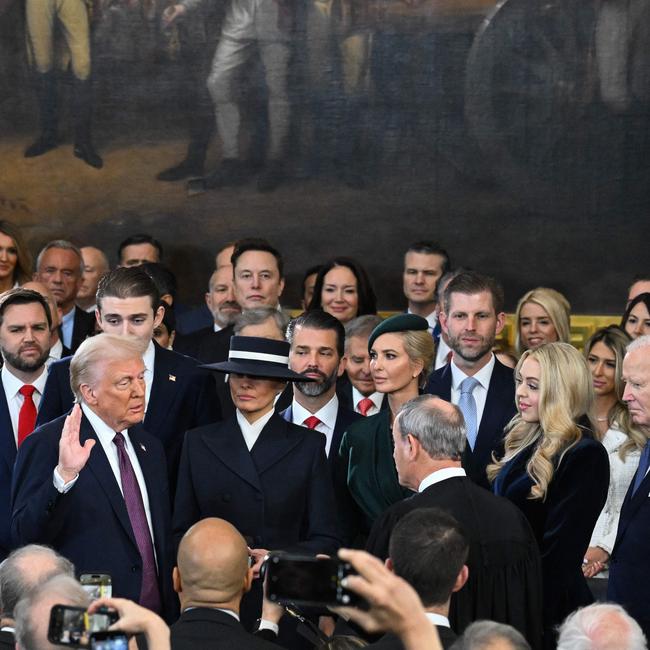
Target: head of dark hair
23	270
127	282
319	320
20	296
470	283
256	244
163	278
365	292
428	549
310	271
428	247
642	297
141	238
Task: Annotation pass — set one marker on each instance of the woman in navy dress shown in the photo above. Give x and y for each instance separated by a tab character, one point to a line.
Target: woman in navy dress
555	471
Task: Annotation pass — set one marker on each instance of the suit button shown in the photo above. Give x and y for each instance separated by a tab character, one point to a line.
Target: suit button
226	497
134	568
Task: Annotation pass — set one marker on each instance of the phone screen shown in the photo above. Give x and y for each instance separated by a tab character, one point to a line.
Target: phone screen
73	625
109	641
97	585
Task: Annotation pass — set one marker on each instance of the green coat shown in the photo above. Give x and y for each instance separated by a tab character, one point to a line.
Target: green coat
367	452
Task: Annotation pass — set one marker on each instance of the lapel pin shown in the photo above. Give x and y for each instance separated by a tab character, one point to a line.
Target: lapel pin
172	377
143	447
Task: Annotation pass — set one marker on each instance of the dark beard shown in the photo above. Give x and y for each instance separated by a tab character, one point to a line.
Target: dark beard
317	388
17	362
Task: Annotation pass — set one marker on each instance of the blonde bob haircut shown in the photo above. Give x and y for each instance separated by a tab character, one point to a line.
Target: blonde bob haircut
566	396
554	304
86	364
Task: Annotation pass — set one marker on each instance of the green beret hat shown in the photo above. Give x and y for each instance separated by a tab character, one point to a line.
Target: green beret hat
398	323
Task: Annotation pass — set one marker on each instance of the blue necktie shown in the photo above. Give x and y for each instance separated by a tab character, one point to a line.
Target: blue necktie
467	405
644	462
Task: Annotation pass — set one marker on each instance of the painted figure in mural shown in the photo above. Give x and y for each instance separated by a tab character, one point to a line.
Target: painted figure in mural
45	20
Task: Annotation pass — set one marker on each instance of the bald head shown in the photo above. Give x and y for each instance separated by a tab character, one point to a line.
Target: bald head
212	564
39	287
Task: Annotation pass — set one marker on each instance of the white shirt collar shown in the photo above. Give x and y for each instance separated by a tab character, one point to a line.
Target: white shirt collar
218	609
438	619
12	384
251	432
430	318
103	431
440	475
149	356
217	328
327	414
483	376
56	350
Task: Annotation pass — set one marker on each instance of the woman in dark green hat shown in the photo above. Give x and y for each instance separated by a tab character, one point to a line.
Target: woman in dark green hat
401	359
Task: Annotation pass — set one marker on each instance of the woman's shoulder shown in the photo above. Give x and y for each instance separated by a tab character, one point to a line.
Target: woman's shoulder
613	439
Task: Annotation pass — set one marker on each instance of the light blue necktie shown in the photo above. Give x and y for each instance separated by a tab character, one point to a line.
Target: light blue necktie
467	405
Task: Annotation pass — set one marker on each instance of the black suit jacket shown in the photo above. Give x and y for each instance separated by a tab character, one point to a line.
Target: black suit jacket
90	524
83	326
392	642
202	628
504	582
7	459
344	393
7	640
499	410
629	571
182	397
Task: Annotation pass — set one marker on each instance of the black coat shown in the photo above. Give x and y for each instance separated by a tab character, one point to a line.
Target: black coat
202	628
392	642
7	460
562	523
504	582
90	524
83	326
499	410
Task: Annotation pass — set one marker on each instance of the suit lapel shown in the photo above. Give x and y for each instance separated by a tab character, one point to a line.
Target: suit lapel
445	383
7	439
163	390
227	443
98	464
632	503
273	444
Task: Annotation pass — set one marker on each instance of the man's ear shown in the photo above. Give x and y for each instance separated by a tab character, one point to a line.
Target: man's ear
442	317
461	579
414	446
176	580
88	394
248	580
158	316
342	363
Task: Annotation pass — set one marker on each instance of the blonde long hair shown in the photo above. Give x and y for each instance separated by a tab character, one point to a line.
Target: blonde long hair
565	395
554	304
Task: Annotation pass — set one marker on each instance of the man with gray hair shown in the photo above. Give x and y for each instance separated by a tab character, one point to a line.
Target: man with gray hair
20	574
488	635
601	626
629	570
33	611
504	582
59	266
93	484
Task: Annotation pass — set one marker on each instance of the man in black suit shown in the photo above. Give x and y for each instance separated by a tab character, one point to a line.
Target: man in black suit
474	379
24	343
504	565
59	267
93	486
211	576
317	347
179	395
629	572
428	549
23	572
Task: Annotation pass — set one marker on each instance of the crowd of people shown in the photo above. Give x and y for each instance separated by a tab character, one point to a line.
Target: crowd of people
496	493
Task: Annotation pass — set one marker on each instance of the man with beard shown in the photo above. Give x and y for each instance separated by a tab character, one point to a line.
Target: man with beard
25	323
474	379
317	342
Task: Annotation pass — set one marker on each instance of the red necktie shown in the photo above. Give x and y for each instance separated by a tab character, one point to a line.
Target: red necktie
365	405
450	354
27	414
311	422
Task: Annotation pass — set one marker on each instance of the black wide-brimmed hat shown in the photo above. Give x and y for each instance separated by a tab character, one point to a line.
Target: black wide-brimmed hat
257	357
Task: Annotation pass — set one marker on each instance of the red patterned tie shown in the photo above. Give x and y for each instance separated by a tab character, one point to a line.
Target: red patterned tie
311	422
149	592
27	414
365	405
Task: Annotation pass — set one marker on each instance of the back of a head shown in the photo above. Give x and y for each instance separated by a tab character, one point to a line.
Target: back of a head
488	635
27	568
428	549
32	613
212	562
602	626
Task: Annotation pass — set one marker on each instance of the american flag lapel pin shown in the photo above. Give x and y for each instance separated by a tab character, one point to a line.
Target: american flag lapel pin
172	377
143	447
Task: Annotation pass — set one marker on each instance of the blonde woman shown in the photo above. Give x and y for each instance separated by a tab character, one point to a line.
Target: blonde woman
624	442
555	471
543	316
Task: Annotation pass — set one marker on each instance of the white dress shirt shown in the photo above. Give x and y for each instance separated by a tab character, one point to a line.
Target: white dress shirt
55	353
376	398
440	475
105	436
431	318
483	377
148	358
67	328
251	432
12	385
441	354
326	415
438	619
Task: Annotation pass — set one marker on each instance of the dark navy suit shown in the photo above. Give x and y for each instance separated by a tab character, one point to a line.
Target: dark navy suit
90	524
83	326
499	410
182	397
629	569
8	453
